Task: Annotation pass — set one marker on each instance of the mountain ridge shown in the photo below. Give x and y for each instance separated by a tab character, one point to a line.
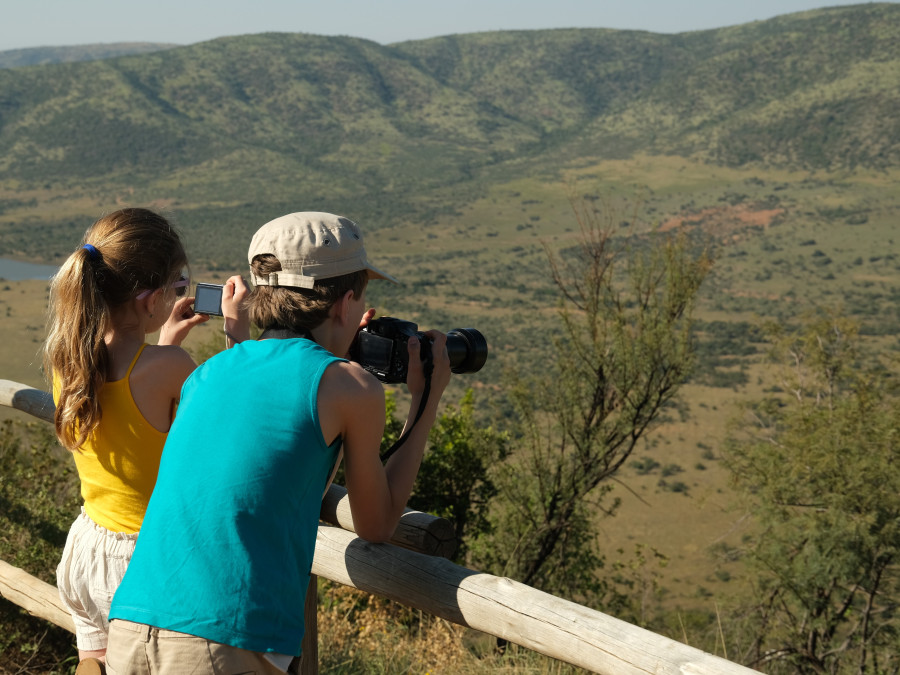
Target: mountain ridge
507	89
33	56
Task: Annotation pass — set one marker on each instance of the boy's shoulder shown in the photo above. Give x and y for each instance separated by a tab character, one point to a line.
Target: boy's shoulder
350	397
346	379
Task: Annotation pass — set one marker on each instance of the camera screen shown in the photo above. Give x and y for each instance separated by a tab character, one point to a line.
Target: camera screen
208	299
375	351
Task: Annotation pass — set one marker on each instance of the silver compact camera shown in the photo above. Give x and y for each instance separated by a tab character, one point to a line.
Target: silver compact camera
208	299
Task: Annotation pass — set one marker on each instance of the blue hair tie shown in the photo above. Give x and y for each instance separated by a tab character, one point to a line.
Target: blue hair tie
94	254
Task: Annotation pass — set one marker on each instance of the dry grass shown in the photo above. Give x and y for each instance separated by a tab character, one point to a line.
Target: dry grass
360	633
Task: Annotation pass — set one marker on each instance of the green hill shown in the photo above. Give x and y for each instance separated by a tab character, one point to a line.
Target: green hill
462	101
33	56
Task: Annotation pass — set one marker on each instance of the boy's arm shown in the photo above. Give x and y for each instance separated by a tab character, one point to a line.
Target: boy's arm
362	411
237	320
403	466
378	493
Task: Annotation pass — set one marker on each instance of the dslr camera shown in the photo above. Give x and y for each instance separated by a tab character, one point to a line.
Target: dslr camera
381	348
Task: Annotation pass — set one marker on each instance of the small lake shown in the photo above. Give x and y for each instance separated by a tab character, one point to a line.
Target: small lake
16	270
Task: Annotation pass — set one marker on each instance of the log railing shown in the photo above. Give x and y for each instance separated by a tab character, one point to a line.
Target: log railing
411	571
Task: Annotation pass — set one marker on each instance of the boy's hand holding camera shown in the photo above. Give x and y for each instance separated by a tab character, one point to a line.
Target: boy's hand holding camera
440	377
237	322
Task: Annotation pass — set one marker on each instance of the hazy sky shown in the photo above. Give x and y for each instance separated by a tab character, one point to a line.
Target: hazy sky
38	23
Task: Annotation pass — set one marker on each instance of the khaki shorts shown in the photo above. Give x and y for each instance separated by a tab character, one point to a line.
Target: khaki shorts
139	649
92	566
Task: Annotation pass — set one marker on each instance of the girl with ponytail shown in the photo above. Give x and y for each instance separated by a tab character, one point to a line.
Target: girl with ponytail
116	395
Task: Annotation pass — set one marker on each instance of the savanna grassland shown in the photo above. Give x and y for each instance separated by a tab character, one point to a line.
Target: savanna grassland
769	265
775	144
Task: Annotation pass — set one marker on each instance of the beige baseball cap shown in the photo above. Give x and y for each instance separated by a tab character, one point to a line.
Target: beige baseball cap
311	245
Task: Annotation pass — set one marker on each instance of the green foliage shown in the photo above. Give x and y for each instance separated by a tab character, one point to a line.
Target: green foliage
671	470
721	347
632	583
818	468
419	132
39	499
676	486
644	465
454	479
363	634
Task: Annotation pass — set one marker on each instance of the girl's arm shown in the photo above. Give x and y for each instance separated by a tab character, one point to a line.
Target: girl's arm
181	320
156	382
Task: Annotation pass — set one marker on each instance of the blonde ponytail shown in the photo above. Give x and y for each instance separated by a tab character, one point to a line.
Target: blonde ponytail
123	253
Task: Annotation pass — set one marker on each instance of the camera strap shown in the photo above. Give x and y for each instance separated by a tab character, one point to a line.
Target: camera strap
428	369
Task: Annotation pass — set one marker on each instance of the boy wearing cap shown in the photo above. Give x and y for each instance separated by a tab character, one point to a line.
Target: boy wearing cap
219	575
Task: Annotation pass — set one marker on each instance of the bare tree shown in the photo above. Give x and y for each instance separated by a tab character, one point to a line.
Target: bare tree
623	350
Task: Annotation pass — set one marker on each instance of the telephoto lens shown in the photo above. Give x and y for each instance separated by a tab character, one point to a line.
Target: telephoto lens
467	350
381	348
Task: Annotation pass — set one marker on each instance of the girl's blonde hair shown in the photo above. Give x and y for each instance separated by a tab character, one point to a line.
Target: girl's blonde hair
123	254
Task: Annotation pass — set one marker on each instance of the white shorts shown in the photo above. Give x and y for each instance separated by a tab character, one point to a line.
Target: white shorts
92	566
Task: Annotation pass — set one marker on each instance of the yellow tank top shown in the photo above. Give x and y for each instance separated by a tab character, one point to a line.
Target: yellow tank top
119	462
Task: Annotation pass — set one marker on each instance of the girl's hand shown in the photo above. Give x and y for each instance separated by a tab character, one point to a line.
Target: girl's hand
237	321
180	322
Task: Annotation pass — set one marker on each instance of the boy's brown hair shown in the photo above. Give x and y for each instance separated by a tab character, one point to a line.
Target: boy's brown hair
298	309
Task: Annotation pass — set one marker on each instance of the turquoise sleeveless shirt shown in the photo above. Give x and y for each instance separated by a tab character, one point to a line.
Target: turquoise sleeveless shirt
227	542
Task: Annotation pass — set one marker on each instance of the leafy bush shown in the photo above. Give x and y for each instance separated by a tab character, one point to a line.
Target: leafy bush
818	471
644	465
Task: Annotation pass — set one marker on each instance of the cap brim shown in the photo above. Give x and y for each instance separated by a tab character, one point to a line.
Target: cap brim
375	273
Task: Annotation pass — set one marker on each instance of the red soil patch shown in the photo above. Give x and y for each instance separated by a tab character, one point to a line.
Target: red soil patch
724	220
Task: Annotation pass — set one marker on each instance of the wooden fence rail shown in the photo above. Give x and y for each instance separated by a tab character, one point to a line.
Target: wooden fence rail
498	606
